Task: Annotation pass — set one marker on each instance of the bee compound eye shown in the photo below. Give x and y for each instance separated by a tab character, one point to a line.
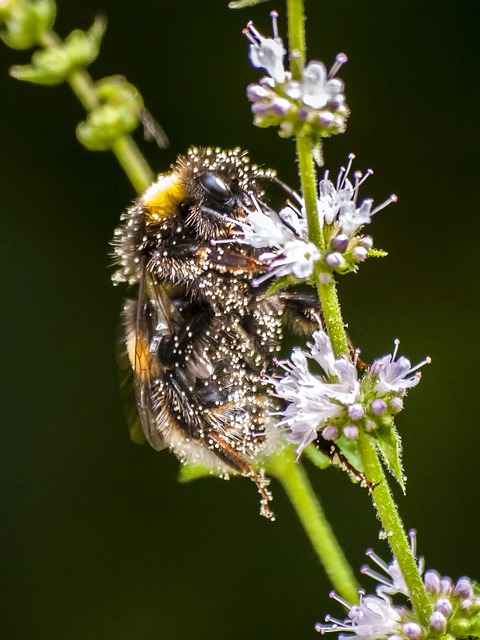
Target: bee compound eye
215	187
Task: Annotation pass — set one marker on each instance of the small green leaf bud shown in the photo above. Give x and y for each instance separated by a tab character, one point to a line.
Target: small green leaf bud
54	65
25	22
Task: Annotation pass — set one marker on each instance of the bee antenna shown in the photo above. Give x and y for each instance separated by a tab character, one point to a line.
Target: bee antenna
293	194
152	130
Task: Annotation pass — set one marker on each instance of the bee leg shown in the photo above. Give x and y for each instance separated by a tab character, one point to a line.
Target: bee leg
233	262
355	355
229	455
335	455
175	262
302	311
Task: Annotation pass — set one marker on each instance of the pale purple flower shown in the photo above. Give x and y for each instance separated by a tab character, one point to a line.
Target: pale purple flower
317	98
297	257
338	202
318	89
373	618
393	582
395	375
267	53
314	400
377	617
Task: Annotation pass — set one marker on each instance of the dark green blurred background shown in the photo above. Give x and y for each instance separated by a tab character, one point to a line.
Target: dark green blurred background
100	541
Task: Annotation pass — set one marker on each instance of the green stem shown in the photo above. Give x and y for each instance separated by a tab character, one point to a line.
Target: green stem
382	498
332	315
296	36
394	529
124	148
133	163
299	490
308	181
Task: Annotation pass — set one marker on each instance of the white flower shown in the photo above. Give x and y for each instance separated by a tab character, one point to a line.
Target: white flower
313	105
346	389
296	258
318	89
314	401
295	219
309	406
267	53
395	375
351	218
376	617
338	204
321	350
263	230
373	618
286	232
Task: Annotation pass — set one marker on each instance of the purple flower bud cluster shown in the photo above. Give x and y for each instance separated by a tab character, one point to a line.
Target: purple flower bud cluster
455	607
340	401
312	106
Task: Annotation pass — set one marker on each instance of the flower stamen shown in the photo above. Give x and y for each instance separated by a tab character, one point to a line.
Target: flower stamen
340	60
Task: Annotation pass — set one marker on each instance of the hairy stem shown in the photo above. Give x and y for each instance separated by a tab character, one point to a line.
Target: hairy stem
382	497
308	181
296	36
394	529
332	315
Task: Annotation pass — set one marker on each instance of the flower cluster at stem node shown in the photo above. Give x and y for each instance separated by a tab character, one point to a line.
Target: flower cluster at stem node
455	608
341	219
311	106
340	401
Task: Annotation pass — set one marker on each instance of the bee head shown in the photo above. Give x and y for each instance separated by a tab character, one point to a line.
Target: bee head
218	183
216	189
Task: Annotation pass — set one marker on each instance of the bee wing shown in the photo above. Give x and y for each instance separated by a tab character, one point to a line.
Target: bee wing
146	321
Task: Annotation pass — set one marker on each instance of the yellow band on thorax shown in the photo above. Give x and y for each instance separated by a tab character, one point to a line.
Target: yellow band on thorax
163	196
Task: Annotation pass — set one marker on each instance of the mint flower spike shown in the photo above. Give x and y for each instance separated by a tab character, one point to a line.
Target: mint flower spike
342	401
312	106
455	607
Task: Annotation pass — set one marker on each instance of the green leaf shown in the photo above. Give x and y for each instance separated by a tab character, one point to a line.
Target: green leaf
279	284
316	457
377	253
188	472
389	444
350	451
241	4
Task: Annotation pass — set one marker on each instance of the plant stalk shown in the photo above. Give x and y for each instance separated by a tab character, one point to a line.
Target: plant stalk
394	530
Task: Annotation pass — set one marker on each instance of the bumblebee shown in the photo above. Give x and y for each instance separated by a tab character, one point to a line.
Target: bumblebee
199	338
